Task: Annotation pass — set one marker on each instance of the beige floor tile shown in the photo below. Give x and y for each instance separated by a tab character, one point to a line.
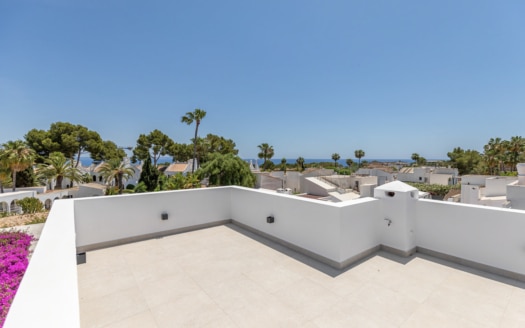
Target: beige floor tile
112	308
167	288
350	315
384	303
434	317
105	282
141	320
308	298
194	310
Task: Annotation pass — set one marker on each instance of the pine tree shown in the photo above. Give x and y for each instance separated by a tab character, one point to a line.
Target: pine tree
149	175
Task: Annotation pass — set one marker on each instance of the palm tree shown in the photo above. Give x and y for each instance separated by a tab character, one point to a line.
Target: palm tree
300	163
415	157
349	162
359	154
17	156
116	170
57	167
5	175
196	116
514	147
335	158
266	152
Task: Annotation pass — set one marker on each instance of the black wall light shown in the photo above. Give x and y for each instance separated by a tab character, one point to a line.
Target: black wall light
164	216
270	219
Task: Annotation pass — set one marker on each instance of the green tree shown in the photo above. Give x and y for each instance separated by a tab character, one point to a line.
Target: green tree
464	160
109	150
214	144
26	178
359	154
335	158
118	171
514	150
300	163
17	156
349	162
283	164
57	167
225	170
69	139
5	174
196	116
415	158
149	175
153	145
181	152
266	152
493	155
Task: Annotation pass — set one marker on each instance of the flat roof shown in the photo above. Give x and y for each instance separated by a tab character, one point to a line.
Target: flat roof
226	276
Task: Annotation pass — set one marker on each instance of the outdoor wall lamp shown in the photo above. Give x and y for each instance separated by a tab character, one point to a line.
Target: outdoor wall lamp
270	219
164	216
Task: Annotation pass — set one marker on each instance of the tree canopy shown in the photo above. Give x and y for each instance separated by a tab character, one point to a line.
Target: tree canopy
225	170
72	140
154	144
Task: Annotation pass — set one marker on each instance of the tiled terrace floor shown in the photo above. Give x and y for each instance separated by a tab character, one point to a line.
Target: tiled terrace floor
227	277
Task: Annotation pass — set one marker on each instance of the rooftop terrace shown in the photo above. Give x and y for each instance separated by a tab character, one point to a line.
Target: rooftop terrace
226	276
226	255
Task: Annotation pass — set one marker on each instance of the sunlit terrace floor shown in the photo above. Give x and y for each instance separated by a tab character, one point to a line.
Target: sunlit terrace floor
227	277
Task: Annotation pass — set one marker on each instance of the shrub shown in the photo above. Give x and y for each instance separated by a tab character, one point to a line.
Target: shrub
14	251
434	189
130	186
30	205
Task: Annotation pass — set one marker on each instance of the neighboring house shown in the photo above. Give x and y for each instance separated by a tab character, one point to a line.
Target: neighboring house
183	168
431	175
495	191
382	176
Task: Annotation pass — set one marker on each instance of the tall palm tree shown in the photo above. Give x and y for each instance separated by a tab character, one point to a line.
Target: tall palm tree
17	156
57	167
196	116
116	170
266	151
359	154
300	163
335	158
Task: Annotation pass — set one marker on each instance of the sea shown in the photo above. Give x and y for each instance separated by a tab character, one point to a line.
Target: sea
86	161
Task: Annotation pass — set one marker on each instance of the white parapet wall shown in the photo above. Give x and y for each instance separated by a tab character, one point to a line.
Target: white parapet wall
485	235
48	293
336	233
103	221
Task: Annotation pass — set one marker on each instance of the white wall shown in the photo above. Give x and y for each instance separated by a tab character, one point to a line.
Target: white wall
516	196
497	186
48	293
491	236
470	194
359	222
440	179
478	180
310	224
139	214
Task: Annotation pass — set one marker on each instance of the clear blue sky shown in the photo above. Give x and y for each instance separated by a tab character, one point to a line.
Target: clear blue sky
309	77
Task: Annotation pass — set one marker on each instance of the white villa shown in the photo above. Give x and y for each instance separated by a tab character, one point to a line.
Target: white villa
163	259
